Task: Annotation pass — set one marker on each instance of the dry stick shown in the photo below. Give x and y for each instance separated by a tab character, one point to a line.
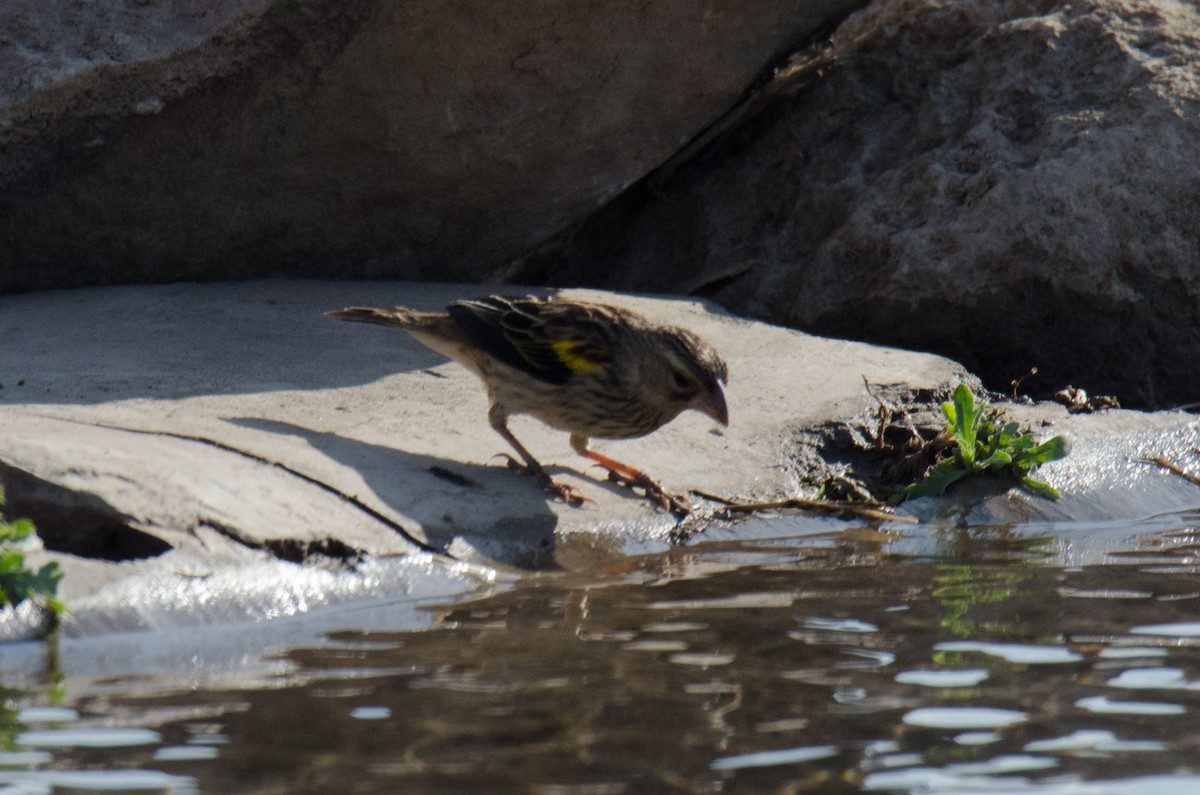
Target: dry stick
829	506
1016	382
846	509
1171	467
713	497
885	415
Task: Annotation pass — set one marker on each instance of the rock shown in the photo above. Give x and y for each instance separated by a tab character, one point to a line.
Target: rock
1011	184
219	433
164	141
196	454
1106	480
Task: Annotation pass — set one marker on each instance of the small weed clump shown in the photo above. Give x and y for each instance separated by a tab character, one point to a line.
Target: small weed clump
983	442
18	582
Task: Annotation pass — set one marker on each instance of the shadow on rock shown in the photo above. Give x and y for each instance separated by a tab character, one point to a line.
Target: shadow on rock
463	510
75	522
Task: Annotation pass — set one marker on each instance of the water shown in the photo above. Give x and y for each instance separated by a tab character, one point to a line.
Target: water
795	656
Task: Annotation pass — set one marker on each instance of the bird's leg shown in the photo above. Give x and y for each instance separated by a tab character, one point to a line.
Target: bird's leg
629	477
532	466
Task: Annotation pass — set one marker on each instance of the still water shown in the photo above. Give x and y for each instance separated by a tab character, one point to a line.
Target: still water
826	658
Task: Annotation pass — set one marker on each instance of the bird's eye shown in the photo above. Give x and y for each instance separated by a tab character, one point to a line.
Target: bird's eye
682	382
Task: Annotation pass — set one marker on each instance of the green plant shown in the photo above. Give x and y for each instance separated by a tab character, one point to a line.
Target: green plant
983	442
18	582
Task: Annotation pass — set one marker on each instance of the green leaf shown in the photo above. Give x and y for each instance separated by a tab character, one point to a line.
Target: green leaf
964	401
1025	442
951	415
1040	488
1050	450
998	459
17	531
985	441
47	579
966	422
18	582
11	560
937	480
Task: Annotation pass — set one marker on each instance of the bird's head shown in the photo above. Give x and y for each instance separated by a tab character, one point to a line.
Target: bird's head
693	375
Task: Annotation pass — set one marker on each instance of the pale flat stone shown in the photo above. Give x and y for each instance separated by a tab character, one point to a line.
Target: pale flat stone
213	431
241	407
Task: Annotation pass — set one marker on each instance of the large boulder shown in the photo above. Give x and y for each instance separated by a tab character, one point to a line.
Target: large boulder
170	441
198	454
1010	183
161	141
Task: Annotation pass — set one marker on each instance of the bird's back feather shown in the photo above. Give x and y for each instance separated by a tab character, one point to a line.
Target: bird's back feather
399	316
548	340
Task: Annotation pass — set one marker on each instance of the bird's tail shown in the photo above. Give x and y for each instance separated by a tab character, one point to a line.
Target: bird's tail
398	317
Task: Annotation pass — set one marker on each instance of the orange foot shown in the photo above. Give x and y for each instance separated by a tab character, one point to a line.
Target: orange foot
675	503
630	478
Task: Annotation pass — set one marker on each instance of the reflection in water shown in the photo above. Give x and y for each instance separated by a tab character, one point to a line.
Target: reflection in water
771	665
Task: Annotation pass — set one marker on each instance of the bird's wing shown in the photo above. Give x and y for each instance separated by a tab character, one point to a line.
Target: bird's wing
548	340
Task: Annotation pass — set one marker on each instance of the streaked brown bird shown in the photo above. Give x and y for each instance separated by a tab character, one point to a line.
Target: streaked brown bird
593	370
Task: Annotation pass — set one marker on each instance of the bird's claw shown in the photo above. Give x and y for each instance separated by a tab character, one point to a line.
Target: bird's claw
616	477
675	503
568	494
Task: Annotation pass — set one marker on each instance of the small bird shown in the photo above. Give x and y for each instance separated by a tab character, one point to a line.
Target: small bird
593	370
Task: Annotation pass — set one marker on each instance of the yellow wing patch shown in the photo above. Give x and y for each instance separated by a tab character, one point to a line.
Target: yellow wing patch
569	353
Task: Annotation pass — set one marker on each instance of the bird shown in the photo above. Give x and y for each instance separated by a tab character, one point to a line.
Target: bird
591	369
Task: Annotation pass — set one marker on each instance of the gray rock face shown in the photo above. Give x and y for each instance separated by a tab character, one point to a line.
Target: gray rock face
195	454
156	141
1011	184
150	431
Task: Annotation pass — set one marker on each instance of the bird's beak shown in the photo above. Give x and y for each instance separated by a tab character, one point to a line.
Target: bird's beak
712	403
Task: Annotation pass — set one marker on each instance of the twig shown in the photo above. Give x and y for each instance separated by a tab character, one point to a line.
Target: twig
713	497
1016	382
846	509
1171	467
884	414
